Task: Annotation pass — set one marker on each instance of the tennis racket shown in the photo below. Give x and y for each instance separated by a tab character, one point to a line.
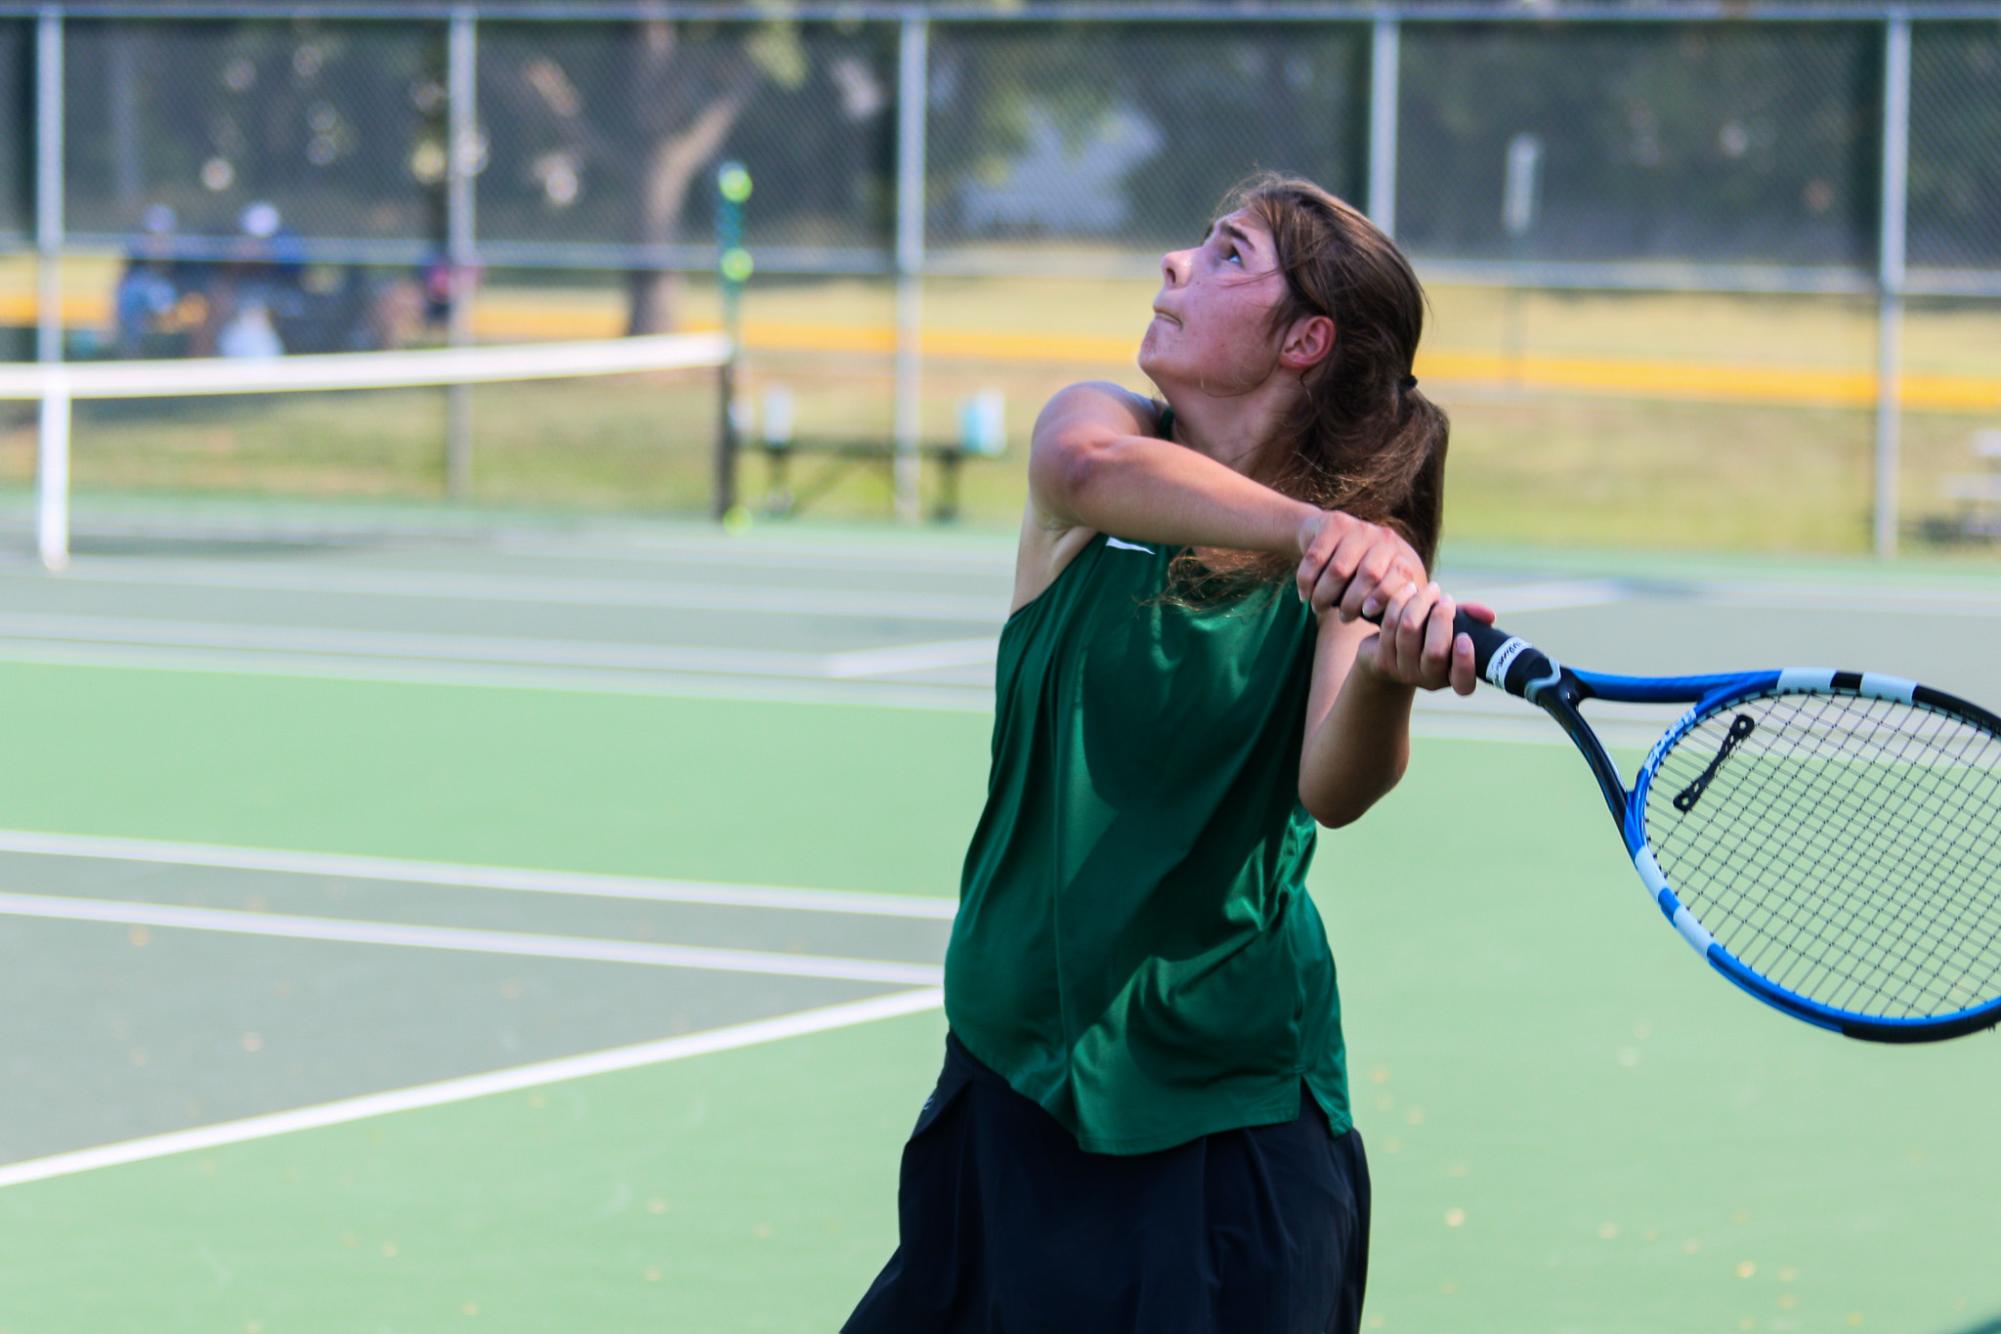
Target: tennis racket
1829	841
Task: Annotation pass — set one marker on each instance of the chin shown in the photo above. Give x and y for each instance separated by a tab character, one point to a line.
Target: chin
1151	363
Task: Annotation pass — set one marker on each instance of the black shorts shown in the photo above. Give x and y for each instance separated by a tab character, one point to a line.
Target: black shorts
1006	1225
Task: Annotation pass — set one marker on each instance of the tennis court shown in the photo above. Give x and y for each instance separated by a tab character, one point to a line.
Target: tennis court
535	928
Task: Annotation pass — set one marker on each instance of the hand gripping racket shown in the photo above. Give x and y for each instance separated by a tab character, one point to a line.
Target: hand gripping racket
1829	841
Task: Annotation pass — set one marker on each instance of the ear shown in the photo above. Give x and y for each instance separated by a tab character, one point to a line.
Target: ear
1307	343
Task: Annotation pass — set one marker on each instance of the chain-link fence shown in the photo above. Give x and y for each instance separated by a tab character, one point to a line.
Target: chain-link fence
1624	215
1696	144
17	205
1955	172
1119	139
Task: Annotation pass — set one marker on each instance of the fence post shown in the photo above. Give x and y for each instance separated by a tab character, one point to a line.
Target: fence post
1890	273
1385	53
48	184
461	159
913	41
52	453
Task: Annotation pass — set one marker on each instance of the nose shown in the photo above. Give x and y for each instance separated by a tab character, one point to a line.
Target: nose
1174	267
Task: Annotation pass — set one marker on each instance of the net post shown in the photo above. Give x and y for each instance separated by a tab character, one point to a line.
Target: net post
1890	274
912	53
52	473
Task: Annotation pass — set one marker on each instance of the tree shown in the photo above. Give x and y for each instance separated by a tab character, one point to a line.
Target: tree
632	113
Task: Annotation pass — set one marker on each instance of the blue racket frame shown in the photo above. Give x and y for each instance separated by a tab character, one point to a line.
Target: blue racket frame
1521	669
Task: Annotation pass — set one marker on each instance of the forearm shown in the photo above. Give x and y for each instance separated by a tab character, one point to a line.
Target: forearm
1154	490
1358	751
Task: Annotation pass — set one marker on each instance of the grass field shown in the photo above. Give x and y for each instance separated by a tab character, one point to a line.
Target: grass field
288	827
1660	419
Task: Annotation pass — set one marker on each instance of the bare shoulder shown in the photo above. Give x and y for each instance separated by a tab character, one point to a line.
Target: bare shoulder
1100	402
1049	543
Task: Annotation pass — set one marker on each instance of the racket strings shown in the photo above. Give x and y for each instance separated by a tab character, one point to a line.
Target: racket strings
1982	861
1846	850
1891	920
1767	854
1918	942
1919	937
1911	931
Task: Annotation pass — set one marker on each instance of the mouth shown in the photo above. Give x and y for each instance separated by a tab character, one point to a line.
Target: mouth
1160	314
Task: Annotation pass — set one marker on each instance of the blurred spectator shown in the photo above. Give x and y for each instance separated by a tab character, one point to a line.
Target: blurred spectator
260	286
445	284
263	297
158	297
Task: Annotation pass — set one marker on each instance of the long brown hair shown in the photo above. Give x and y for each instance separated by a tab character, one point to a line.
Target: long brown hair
1362	439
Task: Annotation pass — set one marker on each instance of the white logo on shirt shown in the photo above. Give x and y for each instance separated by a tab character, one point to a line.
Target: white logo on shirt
1127	546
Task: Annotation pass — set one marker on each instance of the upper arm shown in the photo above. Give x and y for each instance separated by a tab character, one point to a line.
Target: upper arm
1334	645
1346	767
1077	420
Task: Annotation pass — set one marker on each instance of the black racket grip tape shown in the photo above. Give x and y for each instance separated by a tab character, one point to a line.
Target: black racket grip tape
1523	664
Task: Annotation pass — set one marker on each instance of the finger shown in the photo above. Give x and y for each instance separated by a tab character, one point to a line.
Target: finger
1366	651
1370	579
1314	558
1411	628
1403	569
1479	611
1394	657
1327	589
1464	678
1437	656
1341	567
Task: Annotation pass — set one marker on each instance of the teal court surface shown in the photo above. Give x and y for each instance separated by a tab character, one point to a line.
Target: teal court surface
538	926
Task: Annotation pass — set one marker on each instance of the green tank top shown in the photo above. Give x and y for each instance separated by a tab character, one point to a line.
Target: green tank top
1135	949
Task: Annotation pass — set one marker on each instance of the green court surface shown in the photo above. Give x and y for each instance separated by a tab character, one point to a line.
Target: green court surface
538	929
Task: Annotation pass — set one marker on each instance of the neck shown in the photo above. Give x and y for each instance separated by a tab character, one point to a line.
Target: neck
1233	431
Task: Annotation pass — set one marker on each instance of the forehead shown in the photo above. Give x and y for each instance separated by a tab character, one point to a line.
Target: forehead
1243	224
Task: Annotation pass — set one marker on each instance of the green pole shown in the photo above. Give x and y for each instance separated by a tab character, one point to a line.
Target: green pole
733	266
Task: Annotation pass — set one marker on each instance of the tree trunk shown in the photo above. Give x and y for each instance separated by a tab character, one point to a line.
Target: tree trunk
652	297
678	146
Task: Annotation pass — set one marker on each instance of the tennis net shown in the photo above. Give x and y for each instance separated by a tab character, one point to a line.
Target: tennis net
214	447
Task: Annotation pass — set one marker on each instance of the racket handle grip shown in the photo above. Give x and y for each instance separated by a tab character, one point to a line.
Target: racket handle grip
1506	660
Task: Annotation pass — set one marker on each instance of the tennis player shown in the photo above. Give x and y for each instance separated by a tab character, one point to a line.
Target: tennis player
1143	1122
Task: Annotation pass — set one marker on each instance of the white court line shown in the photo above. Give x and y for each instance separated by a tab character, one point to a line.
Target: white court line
998	562
845	603
1915	602
1448	719
463	876
467	1087
1508	599
913	657
467	939
398	644
659	685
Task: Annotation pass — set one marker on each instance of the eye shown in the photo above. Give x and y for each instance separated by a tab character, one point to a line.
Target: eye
1234	255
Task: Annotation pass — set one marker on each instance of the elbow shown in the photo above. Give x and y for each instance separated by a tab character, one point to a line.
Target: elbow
1337	812
1350	801
1074	468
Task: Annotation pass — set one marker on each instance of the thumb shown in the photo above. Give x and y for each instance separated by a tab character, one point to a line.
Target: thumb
1479	611
1365	652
